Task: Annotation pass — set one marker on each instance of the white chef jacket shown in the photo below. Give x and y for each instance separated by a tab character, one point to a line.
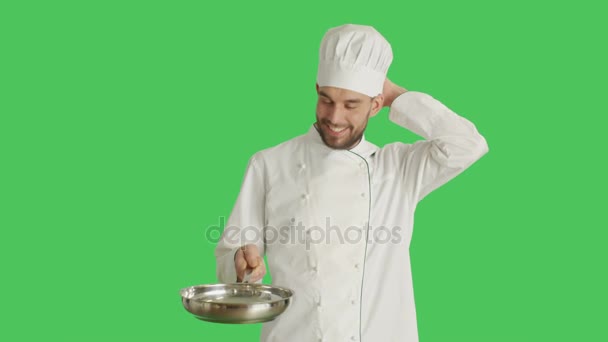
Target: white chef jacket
298	198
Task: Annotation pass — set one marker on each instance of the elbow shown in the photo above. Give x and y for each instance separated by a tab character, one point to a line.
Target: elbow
482	146
477	148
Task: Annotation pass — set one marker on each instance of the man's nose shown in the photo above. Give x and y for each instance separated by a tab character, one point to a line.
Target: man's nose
336	115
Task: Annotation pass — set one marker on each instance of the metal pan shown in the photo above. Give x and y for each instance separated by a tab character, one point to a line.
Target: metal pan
236	303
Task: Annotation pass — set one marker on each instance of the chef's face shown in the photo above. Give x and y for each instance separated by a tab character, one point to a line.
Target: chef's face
342	115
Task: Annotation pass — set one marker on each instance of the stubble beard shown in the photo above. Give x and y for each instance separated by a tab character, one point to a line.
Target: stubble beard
346	145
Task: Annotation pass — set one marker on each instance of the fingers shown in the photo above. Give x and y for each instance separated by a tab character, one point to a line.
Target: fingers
390	92
248	259
243	267
240	264
252	256
258	272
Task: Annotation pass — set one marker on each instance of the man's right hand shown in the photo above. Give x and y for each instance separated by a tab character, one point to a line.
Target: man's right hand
247	259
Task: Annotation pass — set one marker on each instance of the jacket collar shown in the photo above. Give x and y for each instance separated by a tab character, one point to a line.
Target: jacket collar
364	148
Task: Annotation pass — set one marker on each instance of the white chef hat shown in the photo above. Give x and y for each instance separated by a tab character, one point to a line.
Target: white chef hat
354	57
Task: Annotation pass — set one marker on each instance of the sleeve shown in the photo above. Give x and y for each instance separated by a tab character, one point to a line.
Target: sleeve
451	143
245	223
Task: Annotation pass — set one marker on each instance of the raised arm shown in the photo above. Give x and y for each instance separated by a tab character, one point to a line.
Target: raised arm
451	143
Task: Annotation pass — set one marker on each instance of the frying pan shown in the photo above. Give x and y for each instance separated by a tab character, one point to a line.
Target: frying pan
236	303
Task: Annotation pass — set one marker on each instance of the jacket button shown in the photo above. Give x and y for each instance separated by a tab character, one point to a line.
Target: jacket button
357	266
302	166
363	194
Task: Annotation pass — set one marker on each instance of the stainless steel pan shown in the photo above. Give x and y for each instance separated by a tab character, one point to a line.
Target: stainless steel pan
236	303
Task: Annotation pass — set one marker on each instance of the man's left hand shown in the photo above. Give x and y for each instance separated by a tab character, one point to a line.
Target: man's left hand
390	92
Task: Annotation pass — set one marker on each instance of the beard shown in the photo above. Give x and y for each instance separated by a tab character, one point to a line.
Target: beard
348	143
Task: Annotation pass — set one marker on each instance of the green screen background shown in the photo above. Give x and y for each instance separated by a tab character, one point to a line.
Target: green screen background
126	126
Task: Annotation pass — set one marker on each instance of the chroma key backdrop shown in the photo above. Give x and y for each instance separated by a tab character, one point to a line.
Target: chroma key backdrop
126	127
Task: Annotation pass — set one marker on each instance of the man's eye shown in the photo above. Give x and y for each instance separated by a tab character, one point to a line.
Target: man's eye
351	107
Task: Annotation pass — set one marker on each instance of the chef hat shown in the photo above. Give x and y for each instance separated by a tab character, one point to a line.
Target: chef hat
354	57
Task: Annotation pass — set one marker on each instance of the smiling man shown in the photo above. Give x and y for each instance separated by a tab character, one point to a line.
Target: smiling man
346	130
333	213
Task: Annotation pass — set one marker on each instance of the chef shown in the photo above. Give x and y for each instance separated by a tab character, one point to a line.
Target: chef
333	213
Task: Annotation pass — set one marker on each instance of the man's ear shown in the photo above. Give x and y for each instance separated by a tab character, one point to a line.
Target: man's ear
377	103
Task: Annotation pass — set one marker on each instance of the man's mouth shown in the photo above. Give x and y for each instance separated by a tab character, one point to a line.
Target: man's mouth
335	131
